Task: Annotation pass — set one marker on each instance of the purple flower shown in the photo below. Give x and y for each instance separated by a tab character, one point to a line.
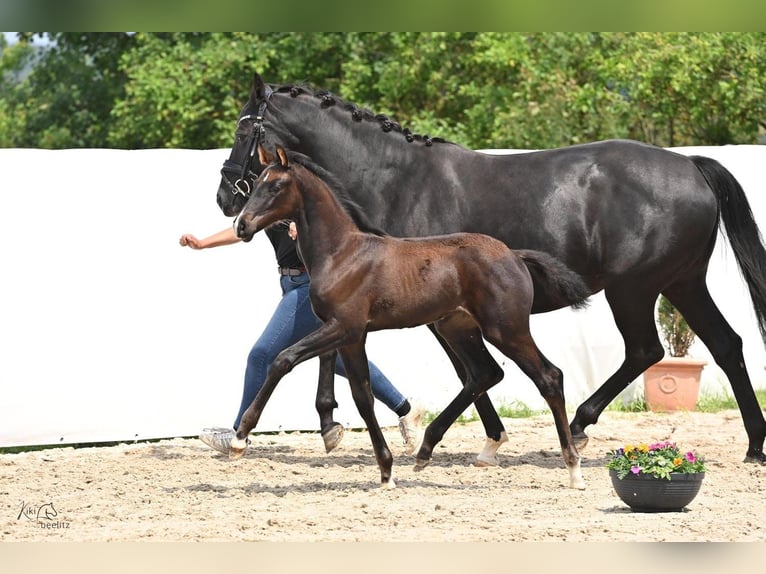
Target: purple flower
690	456
635	469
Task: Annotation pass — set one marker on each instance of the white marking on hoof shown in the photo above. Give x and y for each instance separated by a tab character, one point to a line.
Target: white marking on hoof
237	448
390	485
488	456
576	480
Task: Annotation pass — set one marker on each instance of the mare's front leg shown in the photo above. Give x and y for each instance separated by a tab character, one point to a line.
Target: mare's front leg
332	431
357	369
328	337
479	372
466	340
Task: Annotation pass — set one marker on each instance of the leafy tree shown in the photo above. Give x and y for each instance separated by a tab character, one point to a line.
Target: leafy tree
66	99
691	89
14	61
184	90
482	90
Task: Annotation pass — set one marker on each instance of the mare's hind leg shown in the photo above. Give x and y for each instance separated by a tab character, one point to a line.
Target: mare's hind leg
693	300
634	317
493	426
332	431
357	369
480	372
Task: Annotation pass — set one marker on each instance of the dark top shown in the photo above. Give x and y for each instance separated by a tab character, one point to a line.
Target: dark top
284	247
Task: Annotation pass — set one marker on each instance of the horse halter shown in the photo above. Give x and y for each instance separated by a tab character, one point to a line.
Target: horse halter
245	173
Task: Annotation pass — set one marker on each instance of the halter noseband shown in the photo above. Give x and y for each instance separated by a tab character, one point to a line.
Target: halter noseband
242	185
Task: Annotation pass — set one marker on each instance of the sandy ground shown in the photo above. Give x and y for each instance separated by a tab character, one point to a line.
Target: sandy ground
287	489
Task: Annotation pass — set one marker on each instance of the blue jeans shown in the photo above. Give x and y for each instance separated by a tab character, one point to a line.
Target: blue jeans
292	320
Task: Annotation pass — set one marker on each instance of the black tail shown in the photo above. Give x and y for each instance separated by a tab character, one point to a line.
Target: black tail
557	283
741	229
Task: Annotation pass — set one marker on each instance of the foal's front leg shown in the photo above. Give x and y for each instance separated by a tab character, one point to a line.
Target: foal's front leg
358	371
328	337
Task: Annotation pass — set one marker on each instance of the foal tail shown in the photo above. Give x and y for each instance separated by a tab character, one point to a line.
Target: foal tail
561	286
741	229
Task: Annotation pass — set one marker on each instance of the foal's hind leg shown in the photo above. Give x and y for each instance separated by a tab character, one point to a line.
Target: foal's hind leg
521	348
693	300
634	316
332	431
480	372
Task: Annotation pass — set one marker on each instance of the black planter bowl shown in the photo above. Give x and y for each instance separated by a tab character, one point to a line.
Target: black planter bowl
646	493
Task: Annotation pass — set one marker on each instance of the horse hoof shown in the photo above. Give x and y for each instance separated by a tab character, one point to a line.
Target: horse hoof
390	485
486	461
237	448
580	440
759	458
577	484
333	436
488	455
421	463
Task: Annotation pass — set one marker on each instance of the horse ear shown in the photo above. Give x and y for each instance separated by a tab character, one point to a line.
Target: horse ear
257	90
264	156
282	156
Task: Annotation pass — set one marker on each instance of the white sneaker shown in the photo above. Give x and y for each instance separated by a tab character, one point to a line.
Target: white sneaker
410	425
218	438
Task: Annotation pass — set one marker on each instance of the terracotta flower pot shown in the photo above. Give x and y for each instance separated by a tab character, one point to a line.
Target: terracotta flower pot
673	384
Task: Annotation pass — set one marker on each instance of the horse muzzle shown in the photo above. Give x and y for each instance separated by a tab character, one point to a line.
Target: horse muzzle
245	226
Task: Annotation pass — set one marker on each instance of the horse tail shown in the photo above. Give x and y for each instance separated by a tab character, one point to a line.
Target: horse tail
741	229
561	286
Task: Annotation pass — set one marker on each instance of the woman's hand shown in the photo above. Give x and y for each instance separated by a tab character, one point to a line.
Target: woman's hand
225	237
189	240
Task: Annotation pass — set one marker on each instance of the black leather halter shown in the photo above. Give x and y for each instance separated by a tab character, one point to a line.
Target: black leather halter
244	172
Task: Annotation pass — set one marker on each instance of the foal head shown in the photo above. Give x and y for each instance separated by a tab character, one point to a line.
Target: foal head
276	195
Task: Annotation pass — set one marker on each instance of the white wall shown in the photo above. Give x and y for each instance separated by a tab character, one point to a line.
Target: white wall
111	331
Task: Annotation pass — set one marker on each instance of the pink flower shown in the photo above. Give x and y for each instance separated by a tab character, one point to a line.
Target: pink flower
635	469
690	456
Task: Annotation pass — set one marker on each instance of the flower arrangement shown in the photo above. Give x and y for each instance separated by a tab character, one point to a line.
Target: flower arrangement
658	459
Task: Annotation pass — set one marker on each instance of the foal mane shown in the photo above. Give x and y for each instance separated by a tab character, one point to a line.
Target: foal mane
327	99
350	206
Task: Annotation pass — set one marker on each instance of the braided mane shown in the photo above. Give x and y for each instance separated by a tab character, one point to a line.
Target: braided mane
327	99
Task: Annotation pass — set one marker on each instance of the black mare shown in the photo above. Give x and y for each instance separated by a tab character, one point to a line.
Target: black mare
632	219
363	280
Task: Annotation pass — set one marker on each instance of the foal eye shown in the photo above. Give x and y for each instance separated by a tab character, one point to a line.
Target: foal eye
275	187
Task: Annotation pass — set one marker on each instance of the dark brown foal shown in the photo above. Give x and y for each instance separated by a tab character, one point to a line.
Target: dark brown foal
467	285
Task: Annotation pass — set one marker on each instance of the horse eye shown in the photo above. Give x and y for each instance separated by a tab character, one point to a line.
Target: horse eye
275	187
